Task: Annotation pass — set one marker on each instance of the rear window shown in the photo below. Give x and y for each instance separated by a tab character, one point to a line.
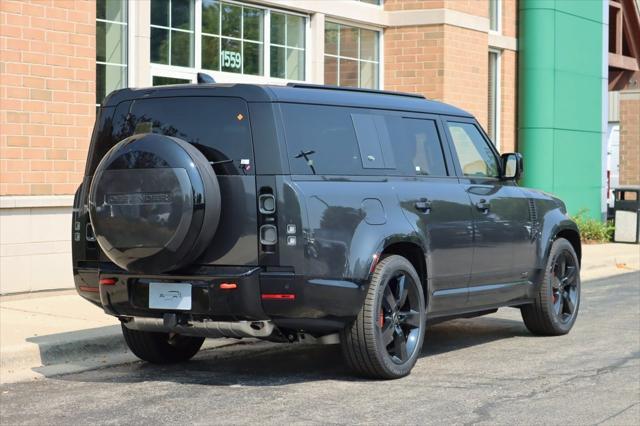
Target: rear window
218	127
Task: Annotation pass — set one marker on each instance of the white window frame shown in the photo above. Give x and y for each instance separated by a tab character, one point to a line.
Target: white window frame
498	98
175	71
498	29
380	48
128	39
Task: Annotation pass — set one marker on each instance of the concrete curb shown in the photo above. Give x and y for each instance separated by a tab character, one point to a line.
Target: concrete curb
72	352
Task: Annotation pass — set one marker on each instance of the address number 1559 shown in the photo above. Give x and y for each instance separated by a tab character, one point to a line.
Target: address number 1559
230	59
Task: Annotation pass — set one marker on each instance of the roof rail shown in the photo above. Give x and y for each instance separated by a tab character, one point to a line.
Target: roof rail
354	89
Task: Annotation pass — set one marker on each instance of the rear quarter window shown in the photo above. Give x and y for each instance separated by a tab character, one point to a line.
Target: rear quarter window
328	140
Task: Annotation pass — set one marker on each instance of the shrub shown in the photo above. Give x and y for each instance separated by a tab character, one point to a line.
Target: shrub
592	230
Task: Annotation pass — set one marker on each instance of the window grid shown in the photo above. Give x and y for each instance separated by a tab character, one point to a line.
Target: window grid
358	59
197	63
241	40
125	37
170	29
286	46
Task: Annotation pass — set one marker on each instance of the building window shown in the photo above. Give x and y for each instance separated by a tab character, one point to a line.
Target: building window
493	118
495	13
172	32
232	38
111	47
287	46
351	56
376	2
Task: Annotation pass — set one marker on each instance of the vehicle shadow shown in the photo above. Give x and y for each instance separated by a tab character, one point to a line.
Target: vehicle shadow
267	364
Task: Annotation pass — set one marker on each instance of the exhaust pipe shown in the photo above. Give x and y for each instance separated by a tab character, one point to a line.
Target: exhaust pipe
205	328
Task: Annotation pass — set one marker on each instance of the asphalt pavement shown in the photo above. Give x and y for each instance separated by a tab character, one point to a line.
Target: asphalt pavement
483	370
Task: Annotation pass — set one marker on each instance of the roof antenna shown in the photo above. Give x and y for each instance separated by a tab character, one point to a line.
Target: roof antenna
204	78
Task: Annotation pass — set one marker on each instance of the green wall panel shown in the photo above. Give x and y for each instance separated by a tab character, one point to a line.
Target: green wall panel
575	40
560	99
577	105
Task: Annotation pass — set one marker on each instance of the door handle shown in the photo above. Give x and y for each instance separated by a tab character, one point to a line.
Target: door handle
423	205
483	205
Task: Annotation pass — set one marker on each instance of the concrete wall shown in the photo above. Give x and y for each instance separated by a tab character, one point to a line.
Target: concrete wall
35	243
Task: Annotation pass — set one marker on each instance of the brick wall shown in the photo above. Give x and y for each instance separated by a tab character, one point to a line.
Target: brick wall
630	138
414	60
47	94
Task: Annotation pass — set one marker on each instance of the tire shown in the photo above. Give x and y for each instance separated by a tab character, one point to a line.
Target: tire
555	308
379	321
161	348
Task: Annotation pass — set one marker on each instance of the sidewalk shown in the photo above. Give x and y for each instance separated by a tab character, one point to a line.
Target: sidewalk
46	334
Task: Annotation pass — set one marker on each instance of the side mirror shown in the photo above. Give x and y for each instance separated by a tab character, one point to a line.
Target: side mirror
512	166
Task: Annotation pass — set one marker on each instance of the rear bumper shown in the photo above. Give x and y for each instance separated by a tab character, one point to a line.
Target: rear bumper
309	304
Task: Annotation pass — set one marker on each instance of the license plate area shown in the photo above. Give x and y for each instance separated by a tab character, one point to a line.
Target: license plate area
170	296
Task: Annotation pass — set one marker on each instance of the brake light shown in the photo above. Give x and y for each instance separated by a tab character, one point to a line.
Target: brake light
278	296
108	281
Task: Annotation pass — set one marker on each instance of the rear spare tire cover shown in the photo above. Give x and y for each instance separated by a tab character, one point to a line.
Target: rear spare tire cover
154	203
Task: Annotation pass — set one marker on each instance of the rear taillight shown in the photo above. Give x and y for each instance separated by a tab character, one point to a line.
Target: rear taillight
278	296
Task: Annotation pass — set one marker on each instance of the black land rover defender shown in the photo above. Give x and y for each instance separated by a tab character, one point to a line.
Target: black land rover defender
310	212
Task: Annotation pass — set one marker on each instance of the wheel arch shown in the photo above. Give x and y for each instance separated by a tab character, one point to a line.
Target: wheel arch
415	254
573	236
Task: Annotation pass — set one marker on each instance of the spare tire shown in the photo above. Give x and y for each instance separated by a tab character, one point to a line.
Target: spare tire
154	203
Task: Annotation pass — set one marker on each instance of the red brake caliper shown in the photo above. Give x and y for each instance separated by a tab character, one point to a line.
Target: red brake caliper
381	319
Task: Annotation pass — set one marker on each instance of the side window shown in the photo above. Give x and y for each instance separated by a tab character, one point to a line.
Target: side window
321	140
373	141
417	147
474	154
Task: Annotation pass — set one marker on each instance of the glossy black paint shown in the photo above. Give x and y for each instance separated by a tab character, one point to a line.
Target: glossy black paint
482	242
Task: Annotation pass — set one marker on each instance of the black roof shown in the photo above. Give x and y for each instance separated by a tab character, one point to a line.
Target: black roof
310	94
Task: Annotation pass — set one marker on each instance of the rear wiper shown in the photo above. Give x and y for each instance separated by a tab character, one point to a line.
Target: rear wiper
305	155
215	163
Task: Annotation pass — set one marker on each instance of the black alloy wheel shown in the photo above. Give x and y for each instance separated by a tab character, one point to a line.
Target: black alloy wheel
385	340
564	288
399	318
555	308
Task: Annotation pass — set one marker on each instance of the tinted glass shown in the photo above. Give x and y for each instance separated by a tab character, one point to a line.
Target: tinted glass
211	53
325	136
159	45
417	148
231	20
278	22
160	12
373	141
218	127
108	79
182	14
210	17
252	24
181	48
474	154
111	10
